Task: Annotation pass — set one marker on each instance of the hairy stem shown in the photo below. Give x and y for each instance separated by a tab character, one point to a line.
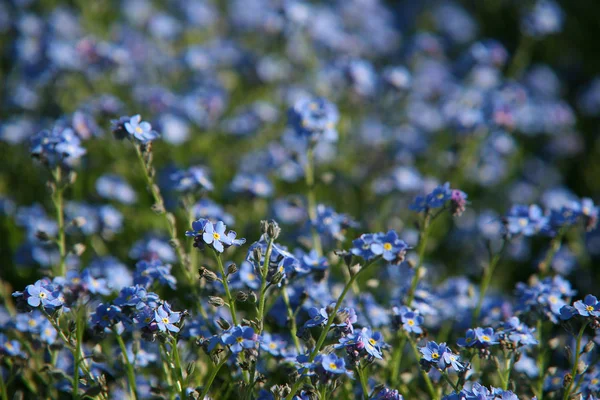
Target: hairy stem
567	392
230	299
309	174
128	366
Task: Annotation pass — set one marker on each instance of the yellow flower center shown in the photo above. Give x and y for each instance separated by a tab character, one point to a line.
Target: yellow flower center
216	236
332	366
165	320
589	308
251	277
523	221
435	356
372	341
138	129
240	339
410	322
387	246
485	338
272	346
42	295
32	322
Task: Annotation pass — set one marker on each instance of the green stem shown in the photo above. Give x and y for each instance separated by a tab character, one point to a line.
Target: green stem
211	378
521	58
230	299
397	358
425	375
57	199
292	317
3	389
312	200
423	236
263	286
488	273
540	359
166	369
452	384
77	355
555	244
75	350
363	382
128	366
169	218
567	392
330	320
179	372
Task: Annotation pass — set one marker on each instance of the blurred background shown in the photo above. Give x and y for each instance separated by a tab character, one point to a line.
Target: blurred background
501	98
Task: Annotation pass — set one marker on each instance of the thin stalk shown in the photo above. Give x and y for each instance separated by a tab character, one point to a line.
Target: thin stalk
555	244
57	199
540	360
363	381
179	371
309	174
567	392
423	236
397	358
263	286
522	56
128	366
170	221
3	389
77	355
211	378
452	384
230	300
330	320
488	273
292	317
73	349
166	369
425	375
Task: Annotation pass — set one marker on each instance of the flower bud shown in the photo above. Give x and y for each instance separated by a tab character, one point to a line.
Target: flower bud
223	324
216	301
241	296
207	274
588	347
232	269
78	249
273	230
264	225
257	254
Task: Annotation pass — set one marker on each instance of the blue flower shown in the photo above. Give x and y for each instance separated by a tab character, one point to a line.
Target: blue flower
318	316
361	247
140	130
439	196
239	338
166	319
314	119
440	357
387	394
42	293
526	220
389	246
334	364
479	338
204	232
106	315
312	261
590	306
113	187
11	348
248	275
192	180
148	272
411	321
273	344
59	147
